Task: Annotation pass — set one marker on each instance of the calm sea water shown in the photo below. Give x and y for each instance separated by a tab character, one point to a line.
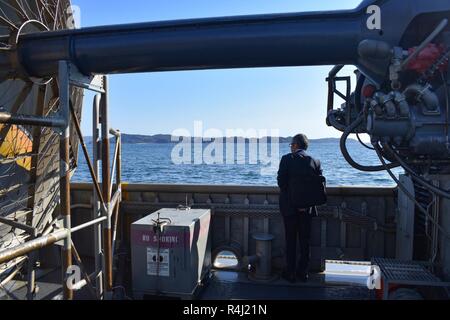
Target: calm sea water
152	163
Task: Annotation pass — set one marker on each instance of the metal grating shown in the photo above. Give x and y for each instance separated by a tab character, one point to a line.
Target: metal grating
407	272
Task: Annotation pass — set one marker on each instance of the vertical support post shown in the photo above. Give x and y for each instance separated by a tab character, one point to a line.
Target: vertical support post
444	221
119	164
435	230
323	234
31	283
343	241
227	229
405	221
364	242
246	239
96	207
107	232
64	98
323	240
118	188
266	225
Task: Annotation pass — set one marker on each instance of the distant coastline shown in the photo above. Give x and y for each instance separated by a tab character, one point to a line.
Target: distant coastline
167	139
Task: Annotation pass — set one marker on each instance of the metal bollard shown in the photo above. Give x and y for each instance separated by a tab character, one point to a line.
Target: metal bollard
263	266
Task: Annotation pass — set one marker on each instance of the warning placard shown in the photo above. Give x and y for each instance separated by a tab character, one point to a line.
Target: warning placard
158	265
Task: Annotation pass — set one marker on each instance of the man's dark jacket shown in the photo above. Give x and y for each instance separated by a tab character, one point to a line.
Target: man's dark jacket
294	164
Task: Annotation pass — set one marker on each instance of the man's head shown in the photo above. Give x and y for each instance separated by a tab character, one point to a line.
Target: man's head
299	142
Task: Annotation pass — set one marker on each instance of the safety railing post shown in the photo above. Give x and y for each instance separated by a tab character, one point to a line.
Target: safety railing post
64	96
97	211
107	234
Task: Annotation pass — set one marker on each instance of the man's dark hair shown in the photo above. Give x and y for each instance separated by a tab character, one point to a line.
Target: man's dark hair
302	141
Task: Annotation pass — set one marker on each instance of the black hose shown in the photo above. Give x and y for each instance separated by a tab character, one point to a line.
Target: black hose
333	122
438	191
363	144
408	194
349	158
400	185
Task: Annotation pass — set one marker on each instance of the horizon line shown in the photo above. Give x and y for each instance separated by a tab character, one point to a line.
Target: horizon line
215	137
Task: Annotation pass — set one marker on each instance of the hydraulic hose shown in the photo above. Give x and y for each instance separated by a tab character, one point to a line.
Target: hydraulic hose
363	144
408	194
438	191
333	122
348	157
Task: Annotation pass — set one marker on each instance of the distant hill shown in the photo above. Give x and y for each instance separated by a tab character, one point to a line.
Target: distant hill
135	138
166	138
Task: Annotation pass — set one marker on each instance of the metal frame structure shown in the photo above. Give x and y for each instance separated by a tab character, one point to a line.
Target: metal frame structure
409	273
408	133
106	208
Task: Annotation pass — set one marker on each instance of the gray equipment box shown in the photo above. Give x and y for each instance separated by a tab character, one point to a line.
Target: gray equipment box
184	249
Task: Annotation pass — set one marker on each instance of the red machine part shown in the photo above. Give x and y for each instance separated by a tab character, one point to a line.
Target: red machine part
426	58
392	287
368	91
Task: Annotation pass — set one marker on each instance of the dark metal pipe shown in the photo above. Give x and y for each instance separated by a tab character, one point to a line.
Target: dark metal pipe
271	40
276	40
20	119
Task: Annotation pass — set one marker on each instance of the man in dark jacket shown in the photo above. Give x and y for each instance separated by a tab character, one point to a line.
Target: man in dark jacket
297	221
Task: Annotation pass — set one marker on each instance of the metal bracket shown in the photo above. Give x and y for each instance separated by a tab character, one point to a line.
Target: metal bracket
332	80
93	82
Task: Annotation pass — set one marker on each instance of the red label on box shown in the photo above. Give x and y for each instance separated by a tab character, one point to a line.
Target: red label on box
151	239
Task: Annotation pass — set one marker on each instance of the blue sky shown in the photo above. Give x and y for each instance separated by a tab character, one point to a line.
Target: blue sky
291	100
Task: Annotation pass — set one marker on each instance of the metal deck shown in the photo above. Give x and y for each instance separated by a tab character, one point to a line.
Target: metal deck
222	285
231	286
